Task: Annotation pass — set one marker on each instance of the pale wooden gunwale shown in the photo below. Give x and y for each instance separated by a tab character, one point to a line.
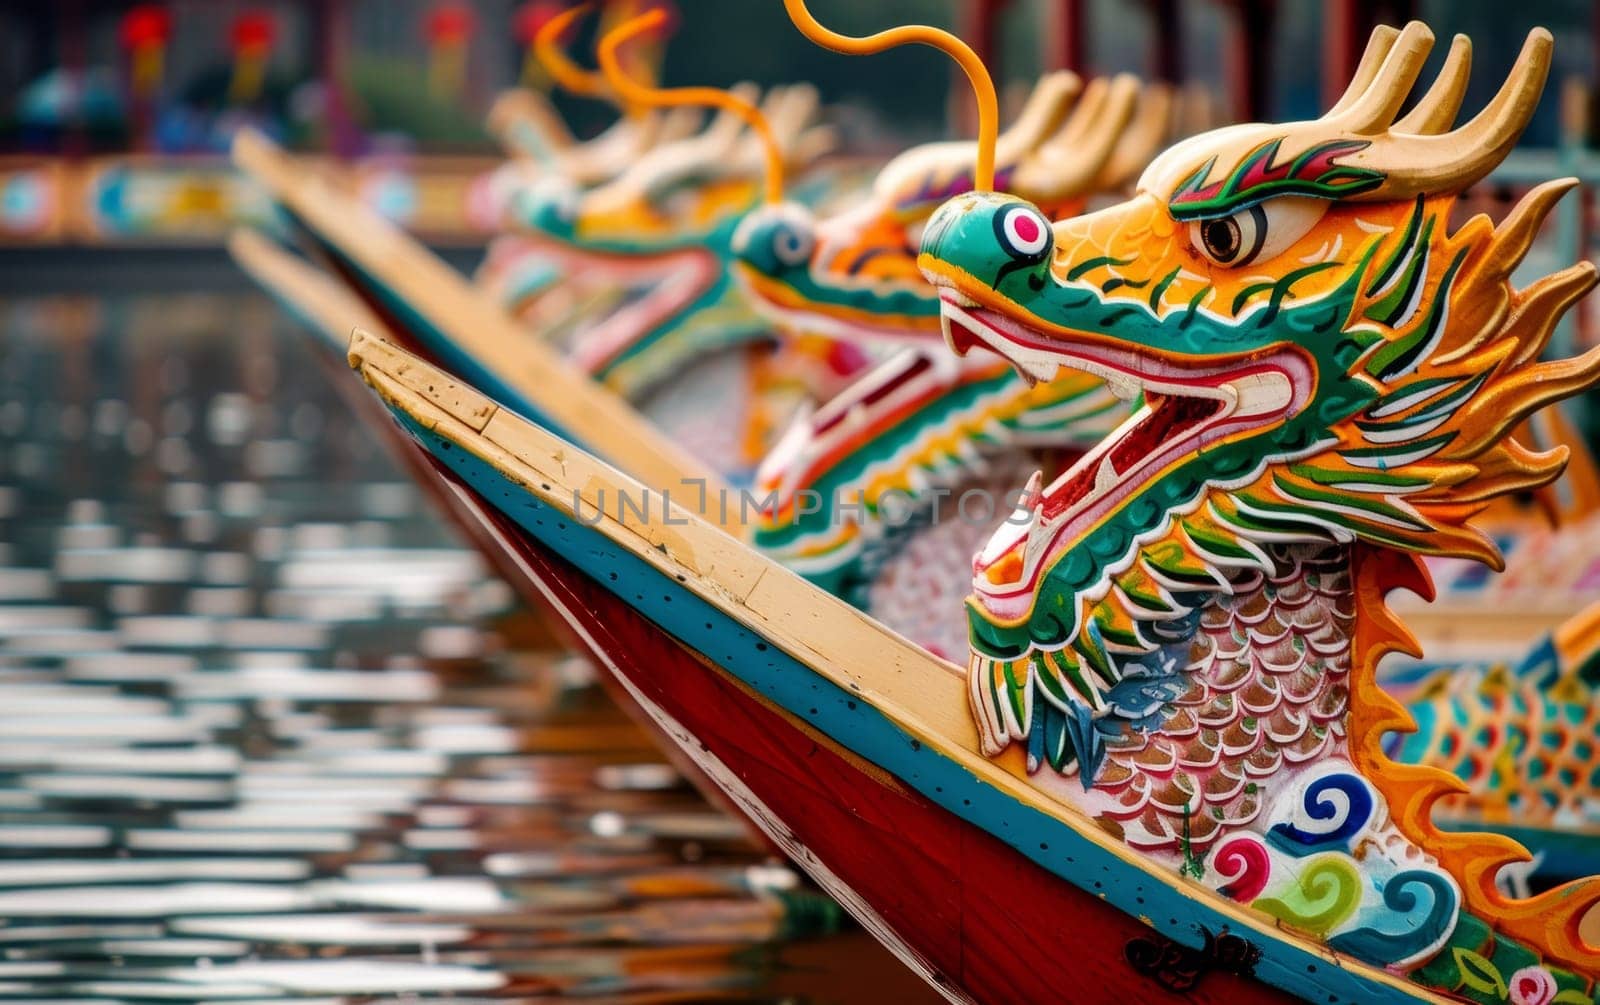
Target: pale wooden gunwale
612	427
920	693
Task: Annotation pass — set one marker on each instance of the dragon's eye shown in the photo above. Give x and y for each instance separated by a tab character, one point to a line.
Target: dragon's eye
1023	232
1261	231
1231	240
792	245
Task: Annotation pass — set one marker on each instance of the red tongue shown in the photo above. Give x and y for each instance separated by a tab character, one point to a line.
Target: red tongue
865	395
963	340
1169	419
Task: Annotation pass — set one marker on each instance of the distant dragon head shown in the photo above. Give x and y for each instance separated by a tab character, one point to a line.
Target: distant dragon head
854	275
680	194
924	418
539	142
668	219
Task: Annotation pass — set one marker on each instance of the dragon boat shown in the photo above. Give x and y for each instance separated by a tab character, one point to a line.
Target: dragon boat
703	313
1167	748
494	352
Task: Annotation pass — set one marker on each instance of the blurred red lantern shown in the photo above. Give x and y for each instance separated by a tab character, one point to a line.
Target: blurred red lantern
144	32
448	27
532	16
145	25
450	24
252	36
254	30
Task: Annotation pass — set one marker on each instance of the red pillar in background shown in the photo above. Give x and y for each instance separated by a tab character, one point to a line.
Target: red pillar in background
1342	39
1345	27
1066	24
330	20
1248	58
1166	41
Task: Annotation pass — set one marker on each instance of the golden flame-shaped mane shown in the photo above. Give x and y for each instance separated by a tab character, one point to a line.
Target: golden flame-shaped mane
1455	379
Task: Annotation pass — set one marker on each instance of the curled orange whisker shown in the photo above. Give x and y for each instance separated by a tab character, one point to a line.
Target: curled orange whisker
633	91
950	45
547	46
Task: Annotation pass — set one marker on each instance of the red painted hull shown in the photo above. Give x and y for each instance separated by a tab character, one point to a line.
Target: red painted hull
988	922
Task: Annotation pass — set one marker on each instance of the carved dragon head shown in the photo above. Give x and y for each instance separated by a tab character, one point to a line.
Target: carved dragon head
670	218
682	193
924	418
542	147
1323	358
1327	361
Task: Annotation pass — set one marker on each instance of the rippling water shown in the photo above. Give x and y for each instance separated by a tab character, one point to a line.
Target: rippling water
267	732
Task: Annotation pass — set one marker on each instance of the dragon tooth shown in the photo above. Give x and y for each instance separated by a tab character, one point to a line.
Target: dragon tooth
1124	389
1033	492
1038	369
1106	476
949	340
1024	373
1038	534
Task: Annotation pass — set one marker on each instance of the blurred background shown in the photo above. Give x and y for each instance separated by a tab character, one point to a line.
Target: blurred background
266	729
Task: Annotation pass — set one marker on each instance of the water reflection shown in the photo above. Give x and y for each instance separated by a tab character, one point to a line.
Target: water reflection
267	733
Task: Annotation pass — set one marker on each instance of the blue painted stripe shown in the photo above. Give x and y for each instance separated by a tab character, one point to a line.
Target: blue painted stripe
858	726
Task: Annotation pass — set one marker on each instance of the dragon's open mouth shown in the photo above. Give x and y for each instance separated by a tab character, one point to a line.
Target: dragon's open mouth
679	277
1188	406
873	406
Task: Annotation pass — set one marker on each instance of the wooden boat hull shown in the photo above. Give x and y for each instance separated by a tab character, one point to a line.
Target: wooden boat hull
924	881
990	892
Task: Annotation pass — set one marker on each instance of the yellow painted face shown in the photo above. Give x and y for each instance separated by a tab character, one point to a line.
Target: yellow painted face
1268	256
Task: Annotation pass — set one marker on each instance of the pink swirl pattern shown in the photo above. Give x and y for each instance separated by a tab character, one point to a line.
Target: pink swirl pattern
1244	864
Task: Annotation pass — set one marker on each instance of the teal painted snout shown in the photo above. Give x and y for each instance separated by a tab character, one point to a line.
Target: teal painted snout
987	235
774	240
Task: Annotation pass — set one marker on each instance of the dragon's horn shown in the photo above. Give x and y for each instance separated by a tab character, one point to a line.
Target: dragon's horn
1378	46
977	73
1436	111
632	90
1046	109
1374	110
1428	159
1147	133
1068	163
791	109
